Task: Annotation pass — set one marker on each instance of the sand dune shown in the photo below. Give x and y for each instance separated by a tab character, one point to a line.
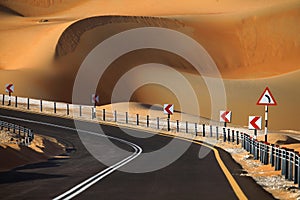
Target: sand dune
254	44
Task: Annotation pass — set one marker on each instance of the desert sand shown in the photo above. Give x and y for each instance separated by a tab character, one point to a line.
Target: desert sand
41	149
253	43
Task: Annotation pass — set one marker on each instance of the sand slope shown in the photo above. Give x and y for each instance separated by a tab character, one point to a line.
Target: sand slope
41	149
253	43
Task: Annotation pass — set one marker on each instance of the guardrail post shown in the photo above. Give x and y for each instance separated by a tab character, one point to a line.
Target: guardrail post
276	158
224	134
285	167
54	107
290	164
296	164
16	101
242	140
247	142
261	151
217	132
147	120
186	127
93	113
257	150
68	109
115	115
3	99
41	105
210	130
298	171
80	110
237	137
203	130
28	103
251	145
126	117
177	126
157	122
272	155
283	164
228	135
103	114
137	119
196	129
232	135
266	160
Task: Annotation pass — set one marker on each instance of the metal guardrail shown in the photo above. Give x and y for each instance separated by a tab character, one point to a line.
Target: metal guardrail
25	135
282	159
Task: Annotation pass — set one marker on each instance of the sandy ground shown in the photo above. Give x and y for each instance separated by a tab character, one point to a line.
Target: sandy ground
41	149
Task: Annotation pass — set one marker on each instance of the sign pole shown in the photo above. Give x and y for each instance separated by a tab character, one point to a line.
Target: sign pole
266	99
266	123
255	134
9	98
169	116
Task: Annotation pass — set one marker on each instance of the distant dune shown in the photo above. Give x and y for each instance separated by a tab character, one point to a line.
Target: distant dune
253	43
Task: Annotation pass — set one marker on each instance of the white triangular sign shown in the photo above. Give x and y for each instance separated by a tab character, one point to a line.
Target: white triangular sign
267	98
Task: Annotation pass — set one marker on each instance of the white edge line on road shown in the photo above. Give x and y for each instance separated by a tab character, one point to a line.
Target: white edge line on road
94	179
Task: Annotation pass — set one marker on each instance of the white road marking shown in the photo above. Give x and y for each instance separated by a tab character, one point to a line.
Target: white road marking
100	175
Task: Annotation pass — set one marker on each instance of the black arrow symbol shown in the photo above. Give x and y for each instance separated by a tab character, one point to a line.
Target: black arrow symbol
269	98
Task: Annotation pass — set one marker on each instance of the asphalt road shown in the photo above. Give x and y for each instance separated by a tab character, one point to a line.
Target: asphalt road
187	178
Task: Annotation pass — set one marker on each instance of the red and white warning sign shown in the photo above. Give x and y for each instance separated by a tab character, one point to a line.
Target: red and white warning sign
267	98
255	122
95	98
225	116
168	109
9	88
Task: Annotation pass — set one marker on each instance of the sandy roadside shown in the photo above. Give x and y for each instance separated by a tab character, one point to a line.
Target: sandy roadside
41	149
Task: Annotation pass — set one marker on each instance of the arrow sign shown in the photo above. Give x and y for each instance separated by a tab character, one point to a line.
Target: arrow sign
95	98
254	122
267	98
9	88
168	109
225	116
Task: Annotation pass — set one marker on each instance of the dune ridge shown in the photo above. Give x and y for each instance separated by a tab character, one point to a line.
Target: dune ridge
70	38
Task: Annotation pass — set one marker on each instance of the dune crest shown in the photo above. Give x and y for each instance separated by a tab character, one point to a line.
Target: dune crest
70	38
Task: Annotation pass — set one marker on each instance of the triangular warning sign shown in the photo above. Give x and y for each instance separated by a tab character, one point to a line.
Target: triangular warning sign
267	98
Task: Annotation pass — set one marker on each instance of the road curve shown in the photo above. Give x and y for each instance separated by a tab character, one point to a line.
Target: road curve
187	178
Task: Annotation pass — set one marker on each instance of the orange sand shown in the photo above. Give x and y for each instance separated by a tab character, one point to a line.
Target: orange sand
254	44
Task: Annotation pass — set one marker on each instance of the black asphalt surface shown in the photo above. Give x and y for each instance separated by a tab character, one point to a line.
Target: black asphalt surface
187	178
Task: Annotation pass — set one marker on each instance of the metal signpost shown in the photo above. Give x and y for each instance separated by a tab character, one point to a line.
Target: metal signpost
266	99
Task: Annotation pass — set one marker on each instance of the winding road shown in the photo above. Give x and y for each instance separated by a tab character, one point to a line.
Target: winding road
82	176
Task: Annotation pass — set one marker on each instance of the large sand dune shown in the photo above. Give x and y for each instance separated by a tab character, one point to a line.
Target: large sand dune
254	44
